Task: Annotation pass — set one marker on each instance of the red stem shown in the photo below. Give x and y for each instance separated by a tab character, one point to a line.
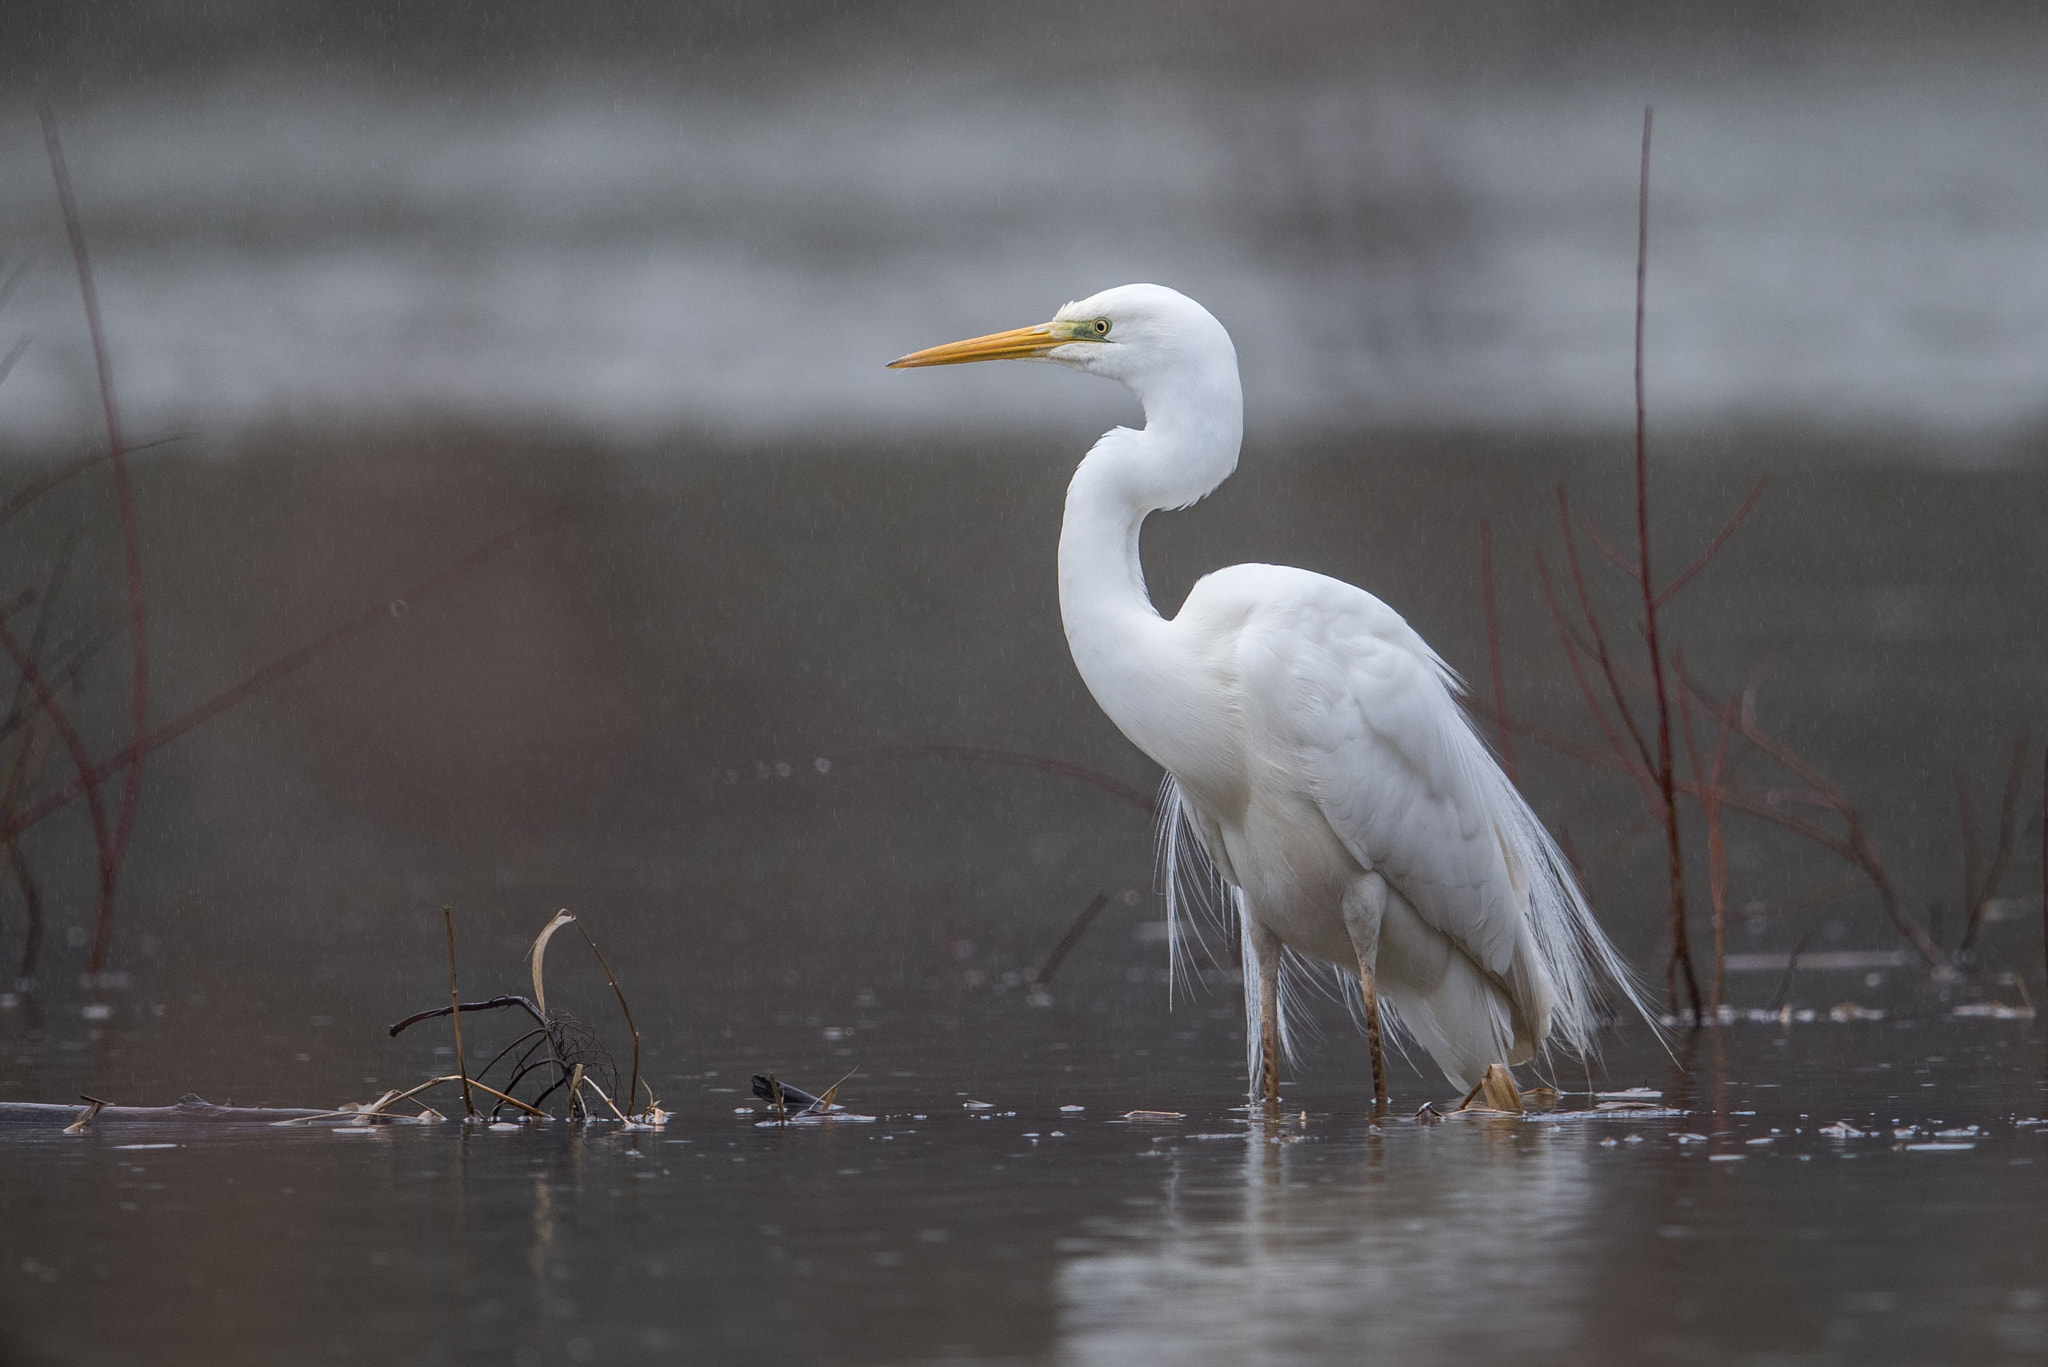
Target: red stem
1620	757
131	542
1713	547
1600	651
1681	947
272	672
53	708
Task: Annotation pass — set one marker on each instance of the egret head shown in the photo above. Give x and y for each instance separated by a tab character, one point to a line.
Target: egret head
1132	333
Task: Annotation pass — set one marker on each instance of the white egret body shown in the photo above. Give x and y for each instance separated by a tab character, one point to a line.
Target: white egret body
1314	742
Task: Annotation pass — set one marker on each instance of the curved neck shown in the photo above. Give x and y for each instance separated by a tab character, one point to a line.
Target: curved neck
1189	445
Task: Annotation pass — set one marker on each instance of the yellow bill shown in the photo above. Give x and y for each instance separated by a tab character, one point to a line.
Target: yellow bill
1018	344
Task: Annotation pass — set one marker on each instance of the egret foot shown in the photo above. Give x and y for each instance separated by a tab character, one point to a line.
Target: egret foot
1496	1091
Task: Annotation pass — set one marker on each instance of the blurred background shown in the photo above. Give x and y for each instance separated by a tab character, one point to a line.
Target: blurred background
384	281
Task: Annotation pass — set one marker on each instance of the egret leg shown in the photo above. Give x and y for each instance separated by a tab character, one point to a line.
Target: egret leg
1266	949
1370	989
1365	906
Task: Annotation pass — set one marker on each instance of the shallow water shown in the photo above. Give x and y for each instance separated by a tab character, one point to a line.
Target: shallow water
1027	1233
627	719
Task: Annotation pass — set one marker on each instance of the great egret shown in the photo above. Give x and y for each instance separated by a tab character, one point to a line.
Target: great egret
1313	742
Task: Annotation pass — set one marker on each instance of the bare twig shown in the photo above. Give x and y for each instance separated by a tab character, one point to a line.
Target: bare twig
1681	942
1713	547
1621	758
491	1005
1601	655
131	539
1710	783
1072	937
36	488
277	669
1614	557
1791	963
53	708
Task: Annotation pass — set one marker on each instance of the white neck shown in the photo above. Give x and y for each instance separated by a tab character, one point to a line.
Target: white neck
1131	659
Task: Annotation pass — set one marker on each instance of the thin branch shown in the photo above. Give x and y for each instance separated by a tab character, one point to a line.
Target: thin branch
1713	547
1681	943
131	538
1640	773
493	1004
1071	938
53	708
278	669
1615	557
21	498
1601	655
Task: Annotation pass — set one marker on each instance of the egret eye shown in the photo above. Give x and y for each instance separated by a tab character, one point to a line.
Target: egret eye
1102	327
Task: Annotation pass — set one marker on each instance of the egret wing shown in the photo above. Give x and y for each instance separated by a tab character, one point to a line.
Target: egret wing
1362	708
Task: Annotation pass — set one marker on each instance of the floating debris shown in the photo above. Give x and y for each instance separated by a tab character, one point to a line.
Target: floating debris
1154	1115
1842	1129
1850	1011
84	1122
793	1105
1995	1011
